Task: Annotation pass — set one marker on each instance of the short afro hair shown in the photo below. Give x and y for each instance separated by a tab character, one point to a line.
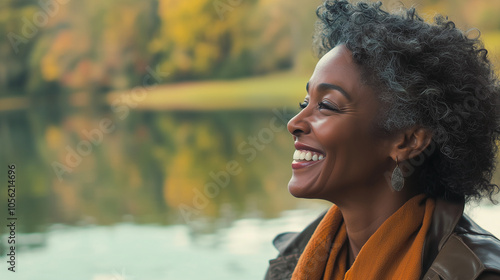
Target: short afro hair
427	74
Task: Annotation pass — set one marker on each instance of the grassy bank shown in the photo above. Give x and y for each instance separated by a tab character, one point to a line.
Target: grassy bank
270	91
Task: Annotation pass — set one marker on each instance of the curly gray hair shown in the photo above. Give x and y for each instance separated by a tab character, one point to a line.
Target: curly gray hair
430	75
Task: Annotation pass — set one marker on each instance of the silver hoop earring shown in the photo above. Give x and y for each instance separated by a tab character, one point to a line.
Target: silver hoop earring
397	179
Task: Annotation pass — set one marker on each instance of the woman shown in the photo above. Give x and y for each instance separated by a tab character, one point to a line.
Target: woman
398	129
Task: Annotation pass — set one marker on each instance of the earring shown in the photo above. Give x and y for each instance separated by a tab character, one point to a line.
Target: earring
397	179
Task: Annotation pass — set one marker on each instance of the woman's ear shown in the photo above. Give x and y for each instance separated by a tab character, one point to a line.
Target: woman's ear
411	142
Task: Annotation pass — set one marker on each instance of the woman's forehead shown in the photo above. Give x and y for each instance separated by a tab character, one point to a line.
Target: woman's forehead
338	55
337	67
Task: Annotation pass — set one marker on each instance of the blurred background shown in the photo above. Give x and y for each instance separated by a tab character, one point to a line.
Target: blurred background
149	137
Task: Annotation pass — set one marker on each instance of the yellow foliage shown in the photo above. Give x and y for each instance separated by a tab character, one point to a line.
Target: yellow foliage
54	137
185	20
191	34
50	68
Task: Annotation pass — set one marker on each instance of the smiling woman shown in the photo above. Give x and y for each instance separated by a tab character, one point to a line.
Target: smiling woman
398	130
337	121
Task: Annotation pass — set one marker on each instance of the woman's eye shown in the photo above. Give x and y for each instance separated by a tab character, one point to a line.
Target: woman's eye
303	105
324	105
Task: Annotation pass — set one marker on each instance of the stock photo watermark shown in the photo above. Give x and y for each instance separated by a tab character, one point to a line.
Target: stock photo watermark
48	9
12	218
221	179
120	106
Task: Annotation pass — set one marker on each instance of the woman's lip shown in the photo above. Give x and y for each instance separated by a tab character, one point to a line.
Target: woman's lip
301	146
302	164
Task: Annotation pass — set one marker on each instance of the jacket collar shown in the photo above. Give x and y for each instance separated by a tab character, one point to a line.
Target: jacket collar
290	245
445	218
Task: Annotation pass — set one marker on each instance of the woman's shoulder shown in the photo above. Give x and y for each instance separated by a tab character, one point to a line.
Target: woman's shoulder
466	252
484	245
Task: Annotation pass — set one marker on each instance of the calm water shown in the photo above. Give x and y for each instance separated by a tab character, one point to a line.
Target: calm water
129	251
152	167
164	195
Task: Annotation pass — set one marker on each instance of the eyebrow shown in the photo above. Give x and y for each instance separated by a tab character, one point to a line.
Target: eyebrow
326	86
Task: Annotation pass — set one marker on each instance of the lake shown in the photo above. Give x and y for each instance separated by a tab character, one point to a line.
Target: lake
153	195
128	251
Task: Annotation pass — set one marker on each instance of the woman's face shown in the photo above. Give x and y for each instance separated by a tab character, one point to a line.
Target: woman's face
338	150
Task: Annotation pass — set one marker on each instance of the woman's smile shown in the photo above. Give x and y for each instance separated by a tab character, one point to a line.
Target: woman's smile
305	156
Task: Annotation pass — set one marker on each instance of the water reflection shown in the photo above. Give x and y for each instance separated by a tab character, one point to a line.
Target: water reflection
154	167
130	251
126	251
118	213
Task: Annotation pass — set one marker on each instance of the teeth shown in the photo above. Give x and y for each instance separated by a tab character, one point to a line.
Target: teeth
307	155
302	156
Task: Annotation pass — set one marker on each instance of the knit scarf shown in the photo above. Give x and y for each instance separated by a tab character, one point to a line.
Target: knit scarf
394	251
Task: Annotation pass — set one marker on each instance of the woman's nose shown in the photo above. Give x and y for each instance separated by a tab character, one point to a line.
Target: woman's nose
299	125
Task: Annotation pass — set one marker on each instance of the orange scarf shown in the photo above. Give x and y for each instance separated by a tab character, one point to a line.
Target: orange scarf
394	251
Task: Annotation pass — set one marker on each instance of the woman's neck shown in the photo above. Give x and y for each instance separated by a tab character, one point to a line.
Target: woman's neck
363	217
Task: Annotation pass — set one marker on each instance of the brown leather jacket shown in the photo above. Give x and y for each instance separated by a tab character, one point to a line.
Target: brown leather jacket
455	248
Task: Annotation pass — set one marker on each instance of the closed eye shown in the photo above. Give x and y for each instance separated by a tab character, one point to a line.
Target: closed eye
326	105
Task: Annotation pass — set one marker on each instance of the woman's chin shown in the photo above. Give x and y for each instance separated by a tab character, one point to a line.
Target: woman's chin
305	183
298	190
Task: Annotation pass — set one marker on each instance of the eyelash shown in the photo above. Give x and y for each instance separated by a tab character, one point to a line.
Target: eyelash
321	105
